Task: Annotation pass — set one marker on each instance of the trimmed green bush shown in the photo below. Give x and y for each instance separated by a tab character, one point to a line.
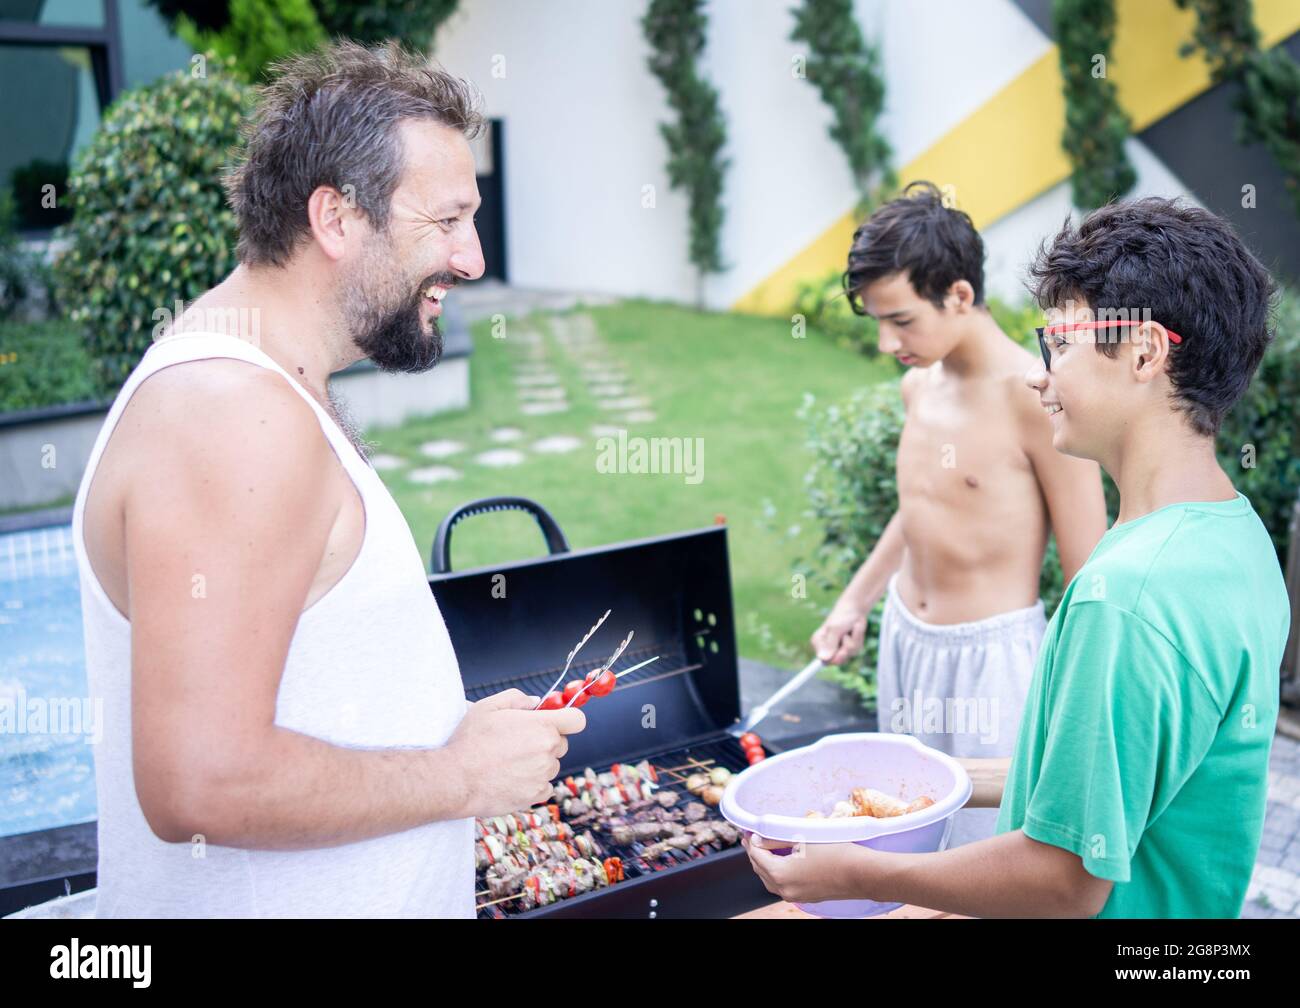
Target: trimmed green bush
414	22
150	223
852	494
44	364
1259	443
825	309
258	33
14	281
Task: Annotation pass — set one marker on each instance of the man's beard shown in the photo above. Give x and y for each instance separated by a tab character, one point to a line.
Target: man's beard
394	338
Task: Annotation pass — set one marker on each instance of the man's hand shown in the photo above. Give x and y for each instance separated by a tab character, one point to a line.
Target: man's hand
812	873
509	753
842	635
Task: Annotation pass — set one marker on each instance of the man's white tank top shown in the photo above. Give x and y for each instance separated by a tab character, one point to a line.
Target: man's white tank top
370	665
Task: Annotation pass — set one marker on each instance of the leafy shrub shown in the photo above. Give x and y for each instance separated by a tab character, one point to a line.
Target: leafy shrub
150	223
852	494
412	21
1259	443
258	33
14	262
44	364
825	309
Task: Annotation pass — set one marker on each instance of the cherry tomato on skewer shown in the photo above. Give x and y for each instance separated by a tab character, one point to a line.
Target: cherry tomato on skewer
603	684
552	701
749	740
576	688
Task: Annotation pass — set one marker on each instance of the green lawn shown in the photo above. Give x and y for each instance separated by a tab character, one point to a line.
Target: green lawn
734	381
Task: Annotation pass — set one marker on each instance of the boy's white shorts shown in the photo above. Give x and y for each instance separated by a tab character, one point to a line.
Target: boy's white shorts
959	688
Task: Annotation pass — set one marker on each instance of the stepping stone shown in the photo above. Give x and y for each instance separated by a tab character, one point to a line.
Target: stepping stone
557	444
433	474
499	457
502	435
537	378
640	416
605	430
543	408
383	462
625	402
550	392
441	449
607	390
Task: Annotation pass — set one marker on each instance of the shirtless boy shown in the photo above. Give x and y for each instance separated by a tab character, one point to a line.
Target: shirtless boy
980	488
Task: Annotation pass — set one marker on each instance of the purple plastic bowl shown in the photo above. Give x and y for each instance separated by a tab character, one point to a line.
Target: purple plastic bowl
771	797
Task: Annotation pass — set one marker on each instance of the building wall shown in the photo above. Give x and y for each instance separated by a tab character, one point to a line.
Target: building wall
973	101
581	114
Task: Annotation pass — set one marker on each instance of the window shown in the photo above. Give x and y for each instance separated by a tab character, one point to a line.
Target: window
60	66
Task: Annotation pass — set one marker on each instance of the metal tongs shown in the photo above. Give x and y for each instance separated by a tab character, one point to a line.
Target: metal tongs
758	713
608	663
605	666
576	648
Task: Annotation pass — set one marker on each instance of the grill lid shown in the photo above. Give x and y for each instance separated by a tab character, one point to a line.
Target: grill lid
513	626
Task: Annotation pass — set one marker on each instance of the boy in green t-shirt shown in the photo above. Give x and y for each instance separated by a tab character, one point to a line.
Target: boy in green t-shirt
1139	779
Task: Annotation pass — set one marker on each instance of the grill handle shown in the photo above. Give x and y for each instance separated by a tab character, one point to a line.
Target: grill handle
441	557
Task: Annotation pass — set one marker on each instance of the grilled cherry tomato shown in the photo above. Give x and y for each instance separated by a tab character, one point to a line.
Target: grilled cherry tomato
755	756
552	701
604	684
575	688
749	740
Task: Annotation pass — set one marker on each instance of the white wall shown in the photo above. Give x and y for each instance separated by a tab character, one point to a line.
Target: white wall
581	139
1011	242
582	111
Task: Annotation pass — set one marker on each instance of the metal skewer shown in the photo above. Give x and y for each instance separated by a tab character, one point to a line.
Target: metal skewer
765	708
617	675
576	648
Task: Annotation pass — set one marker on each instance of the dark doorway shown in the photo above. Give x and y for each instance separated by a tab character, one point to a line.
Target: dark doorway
489	153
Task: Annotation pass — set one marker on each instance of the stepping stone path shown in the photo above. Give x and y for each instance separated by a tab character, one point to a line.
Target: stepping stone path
550	394
433	474
557	444
543	408
537	386
537	378
441	449
500	457
539	391
625	402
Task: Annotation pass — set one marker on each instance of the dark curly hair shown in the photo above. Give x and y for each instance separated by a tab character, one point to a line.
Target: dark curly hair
1172	262
329	117
934	244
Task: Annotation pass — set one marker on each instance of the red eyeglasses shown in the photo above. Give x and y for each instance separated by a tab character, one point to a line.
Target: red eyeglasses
1045	331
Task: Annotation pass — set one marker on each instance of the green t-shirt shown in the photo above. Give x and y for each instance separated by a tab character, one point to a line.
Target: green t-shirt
1145	738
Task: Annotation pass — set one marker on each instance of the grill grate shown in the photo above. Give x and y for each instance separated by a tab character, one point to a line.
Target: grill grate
724	751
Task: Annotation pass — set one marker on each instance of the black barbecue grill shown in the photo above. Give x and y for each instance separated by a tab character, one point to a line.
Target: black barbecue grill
514	624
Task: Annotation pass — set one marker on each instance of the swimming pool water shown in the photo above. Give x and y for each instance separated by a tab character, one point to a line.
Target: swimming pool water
46	779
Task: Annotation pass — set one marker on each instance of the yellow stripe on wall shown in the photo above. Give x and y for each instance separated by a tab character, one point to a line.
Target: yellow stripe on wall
1008	150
